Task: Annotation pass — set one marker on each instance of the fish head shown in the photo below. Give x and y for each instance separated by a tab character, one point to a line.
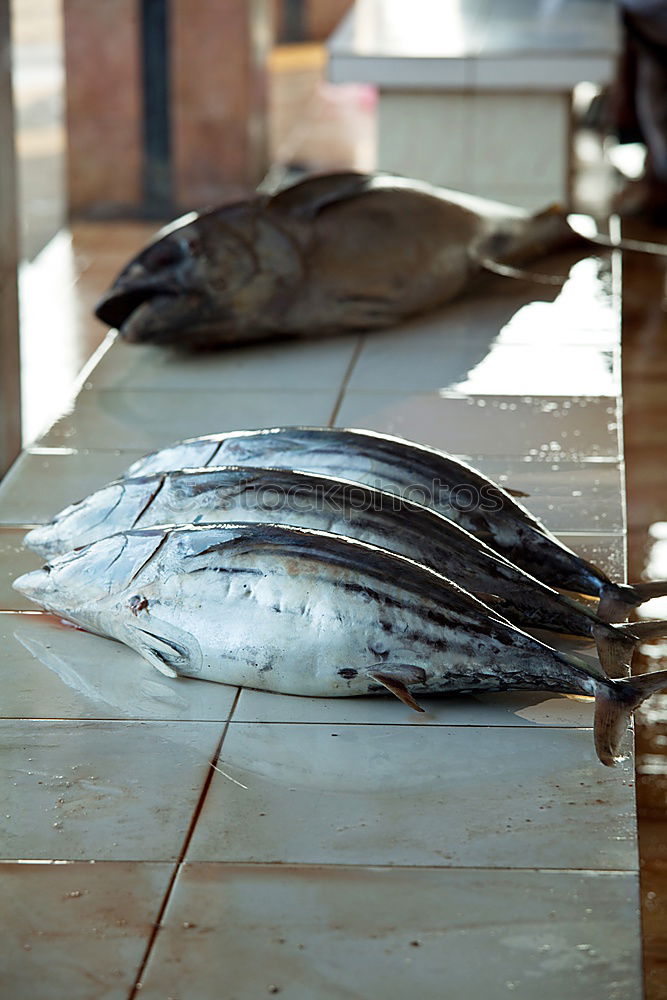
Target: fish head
204	281
84	583
104	512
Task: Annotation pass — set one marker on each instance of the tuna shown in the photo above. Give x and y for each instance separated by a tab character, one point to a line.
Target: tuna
306	612
310	501
419	473
332	253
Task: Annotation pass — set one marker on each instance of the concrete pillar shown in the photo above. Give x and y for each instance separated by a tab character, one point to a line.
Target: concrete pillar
10	381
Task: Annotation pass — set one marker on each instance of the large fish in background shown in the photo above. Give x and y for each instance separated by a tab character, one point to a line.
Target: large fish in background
333	253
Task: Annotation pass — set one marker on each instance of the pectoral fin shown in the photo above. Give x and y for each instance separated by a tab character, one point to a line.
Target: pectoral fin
164	654
393	677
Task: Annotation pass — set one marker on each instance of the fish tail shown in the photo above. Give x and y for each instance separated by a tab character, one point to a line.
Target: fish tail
617	600
615	648
614	706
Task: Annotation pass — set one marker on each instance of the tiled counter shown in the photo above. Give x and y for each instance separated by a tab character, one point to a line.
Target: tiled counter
249	844
458	78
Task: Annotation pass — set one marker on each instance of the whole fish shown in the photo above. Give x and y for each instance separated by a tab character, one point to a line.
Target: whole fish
307	612
333	253
306	500
422	474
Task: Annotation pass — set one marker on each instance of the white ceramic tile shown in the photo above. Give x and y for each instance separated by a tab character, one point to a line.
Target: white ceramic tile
54	671
555	74
562	371
567	496
501	709
399	72
403	795
474	364
538	125
76	930
42	482
314	364
415	136
538	427
15	560
606	551
133	419
329	933
109	791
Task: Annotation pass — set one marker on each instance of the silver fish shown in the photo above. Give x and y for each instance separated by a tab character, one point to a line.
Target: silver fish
336	252
419	473
306	500
307	612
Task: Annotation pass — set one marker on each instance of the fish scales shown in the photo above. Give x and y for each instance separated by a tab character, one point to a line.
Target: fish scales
341	507
420	473
305	612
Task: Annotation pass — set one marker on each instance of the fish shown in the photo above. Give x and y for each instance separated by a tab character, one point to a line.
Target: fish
421	474
342	507
306	612
333	253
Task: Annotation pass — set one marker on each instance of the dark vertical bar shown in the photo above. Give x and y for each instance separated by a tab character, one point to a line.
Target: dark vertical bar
294	21
157	125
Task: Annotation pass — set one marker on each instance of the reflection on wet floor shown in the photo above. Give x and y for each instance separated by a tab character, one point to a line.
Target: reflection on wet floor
644	380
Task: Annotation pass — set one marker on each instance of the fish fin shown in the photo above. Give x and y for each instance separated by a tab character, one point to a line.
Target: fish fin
390	679
306	199
515	493
580	697
617	600
614	707
615	650
164	654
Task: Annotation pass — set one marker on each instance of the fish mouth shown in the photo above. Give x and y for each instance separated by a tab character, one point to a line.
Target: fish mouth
119	306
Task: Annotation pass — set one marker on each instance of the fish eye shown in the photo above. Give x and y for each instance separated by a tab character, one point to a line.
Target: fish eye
162	254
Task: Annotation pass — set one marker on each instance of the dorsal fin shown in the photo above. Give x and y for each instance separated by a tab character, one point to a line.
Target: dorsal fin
307	198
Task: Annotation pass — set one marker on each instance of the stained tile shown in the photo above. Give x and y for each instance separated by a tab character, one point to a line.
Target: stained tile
360	932
109	791
296	365
501	709
42	482
54	671
537	427
76	930
404	795
134	419
15	560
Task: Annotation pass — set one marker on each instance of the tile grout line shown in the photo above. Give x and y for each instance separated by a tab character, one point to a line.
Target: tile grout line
356	353
137	984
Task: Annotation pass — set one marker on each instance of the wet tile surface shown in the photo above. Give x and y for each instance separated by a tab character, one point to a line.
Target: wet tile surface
138	420
15	560
317	364
359	932
108	791
540	428
76	930
53	671
416	796
41	483
502	709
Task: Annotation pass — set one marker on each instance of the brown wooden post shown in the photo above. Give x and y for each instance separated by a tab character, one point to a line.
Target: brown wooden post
104	105
219	53
10	374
